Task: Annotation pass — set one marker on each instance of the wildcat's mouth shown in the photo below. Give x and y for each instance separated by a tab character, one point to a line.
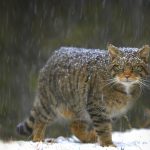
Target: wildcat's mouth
127	81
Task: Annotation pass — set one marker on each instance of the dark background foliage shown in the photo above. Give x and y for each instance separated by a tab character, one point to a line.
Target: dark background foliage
31	29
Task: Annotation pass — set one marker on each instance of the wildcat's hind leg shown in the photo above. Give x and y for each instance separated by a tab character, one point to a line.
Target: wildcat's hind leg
43	118
33	126
38	131
36	123
80	130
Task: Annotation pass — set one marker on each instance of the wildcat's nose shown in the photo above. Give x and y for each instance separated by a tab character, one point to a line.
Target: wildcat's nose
127	76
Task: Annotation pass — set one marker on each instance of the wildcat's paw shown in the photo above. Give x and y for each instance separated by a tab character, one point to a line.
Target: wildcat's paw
37	139
108	145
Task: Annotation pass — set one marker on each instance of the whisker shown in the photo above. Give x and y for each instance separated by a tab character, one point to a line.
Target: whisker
146	79
141	89
108	80
144	84
111	83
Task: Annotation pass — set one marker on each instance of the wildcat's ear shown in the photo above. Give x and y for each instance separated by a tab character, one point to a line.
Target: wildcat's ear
113	51
144	53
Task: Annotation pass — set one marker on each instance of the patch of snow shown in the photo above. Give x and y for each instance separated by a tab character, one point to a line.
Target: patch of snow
130	140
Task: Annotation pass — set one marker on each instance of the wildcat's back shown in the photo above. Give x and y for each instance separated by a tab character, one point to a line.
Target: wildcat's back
69	72
83	85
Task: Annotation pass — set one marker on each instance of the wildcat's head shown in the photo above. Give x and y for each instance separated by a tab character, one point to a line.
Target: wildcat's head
129	66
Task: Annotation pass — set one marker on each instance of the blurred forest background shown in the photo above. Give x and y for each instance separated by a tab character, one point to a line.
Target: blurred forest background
31	29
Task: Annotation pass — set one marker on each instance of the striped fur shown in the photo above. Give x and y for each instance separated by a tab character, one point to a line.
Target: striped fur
87	86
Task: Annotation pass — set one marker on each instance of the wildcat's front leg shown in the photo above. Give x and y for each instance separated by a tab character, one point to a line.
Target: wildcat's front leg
104	131
102	125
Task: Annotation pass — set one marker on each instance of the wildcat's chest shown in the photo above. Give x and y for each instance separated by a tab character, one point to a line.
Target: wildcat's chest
118	104
116	112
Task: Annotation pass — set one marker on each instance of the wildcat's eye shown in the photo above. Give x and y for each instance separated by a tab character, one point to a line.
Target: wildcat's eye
137	68
117	68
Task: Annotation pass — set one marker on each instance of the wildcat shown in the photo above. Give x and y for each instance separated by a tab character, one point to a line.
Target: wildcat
87	86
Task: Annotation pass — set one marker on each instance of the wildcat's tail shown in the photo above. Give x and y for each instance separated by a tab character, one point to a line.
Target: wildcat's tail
26	127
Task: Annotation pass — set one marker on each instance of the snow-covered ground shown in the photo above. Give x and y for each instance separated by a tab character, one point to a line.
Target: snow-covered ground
131	140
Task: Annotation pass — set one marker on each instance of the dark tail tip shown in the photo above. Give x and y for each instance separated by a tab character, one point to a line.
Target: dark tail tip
23	129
